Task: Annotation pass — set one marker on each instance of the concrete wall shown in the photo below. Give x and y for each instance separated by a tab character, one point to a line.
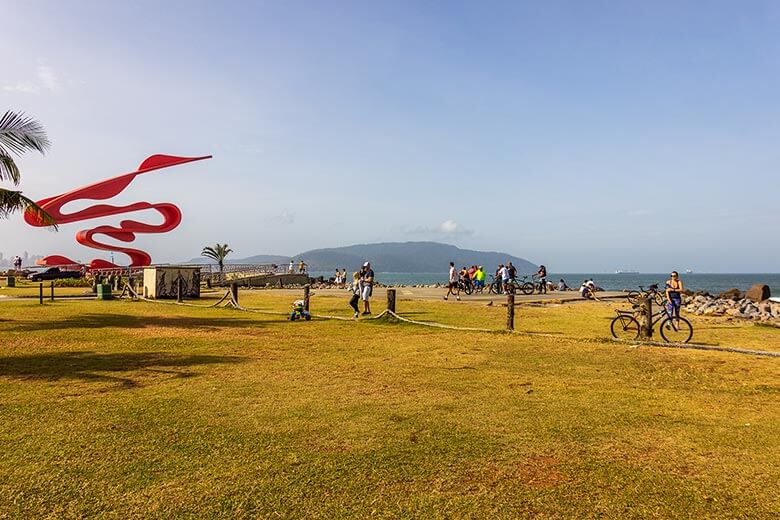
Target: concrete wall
162	282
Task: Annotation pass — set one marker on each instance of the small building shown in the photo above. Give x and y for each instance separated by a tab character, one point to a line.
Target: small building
163	281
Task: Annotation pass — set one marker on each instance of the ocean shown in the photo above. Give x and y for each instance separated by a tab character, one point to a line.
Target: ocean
712	283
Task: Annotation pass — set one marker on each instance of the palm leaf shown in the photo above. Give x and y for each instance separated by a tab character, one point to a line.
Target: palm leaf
12	201
19	133
8	169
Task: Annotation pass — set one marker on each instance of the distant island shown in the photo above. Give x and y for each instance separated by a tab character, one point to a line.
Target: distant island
391	257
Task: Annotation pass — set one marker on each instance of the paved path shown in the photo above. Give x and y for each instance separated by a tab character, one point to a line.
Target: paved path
429	293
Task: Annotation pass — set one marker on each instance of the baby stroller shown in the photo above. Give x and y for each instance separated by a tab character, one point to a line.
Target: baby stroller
299	312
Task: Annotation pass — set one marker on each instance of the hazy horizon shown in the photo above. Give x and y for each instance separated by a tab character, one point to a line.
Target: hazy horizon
588	137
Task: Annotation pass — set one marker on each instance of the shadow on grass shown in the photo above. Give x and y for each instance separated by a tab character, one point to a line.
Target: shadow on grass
98	321
90	366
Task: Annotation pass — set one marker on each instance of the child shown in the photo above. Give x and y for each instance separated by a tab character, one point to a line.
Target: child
356	290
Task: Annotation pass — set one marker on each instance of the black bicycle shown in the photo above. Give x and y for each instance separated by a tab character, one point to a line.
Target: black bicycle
466	285
674	329
652	291
523	285
495	286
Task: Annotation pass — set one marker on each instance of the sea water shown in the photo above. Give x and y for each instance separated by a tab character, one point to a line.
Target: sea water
712	283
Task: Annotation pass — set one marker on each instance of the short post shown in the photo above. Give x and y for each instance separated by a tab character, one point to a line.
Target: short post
646	321
40	293
510	311
391	300
52	291
306	290
178	290
234	291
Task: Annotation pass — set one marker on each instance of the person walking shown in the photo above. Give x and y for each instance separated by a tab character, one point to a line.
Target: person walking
452	283
368	287
542	275
674	290
356	289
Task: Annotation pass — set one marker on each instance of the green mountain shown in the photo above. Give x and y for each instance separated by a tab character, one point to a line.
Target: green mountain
408	257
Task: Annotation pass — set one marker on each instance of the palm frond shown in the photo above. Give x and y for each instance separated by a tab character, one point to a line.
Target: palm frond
8	169
12	201
19	133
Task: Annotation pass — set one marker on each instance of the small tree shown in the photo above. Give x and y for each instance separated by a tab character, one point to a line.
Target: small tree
19	134
217	252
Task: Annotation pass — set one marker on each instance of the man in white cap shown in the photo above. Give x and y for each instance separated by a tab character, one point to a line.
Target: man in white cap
368	287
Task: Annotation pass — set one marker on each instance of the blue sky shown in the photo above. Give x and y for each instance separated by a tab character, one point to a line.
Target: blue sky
588	136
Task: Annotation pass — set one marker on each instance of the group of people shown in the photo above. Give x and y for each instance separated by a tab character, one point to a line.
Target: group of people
362	288
474	275
17	263
301	267
340	279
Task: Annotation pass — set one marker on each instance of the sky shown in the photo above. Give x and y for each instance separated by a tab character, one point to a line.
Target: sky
588	136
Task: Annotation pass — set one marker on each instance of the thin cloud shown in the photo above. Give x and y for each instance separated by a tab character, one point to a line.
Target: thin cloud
447	228
22	87
285	217
48	78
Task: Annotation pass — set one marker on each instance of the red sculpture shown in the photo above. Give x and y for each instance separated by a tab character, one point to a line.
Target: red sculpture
127	228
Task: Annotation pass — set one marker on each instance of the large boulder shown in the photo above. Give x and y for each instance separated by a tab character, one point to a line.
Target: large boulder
732	294
758	293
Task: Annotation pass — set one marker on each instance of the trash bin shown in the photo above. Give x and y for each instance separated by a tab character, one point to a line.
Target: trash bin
104	291
11	281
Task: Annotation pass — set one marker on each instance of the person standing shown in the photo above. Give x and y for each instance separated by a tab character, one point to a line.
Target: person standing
17	263
512	270
355	288
674	290
301	267
452	283
368	287
506	276
291	267
479	276
542	274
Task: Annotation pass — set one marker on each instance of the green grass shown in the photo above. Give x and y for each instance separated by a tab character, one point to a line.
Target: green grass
132	409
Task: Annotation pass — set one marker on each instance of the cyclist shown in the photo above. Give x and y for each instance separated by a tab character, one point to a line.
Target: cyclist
506	276
542	275
479	279
674	289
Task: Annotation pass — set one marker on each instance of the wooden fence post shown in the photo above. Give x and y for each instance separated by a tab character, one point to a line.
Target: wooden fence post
646	322
510	311
306	289
234	291
40	293
391	300
52	291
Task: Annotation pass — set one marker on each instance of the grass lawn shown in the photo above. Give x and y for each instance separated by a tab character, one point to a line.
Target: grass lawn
132	409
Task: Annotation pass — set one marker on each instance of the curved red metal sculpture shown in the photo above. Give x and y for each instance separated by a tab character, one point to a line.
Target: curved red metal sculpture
127	228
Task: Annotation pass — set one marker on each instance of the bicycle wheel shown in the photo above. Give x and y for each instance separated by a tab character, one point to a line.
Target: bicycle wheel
660	299
468	288
624	327
633	297
676	330
527	288
511	288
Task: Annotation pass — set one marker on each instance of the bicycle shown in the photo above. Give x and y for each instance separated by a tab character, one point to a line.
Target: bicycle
658	297
524	286
674	329
495	286
466	285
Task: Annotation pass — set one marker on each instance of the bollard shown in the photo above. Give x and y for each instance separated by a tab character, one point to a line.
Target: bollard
234	292
391	300
306	289
510	311
40	293
646	321
178	291
52	291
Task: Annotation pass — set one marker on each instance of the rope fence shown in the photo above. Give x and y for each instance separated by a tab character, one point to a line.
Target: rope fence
230	299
